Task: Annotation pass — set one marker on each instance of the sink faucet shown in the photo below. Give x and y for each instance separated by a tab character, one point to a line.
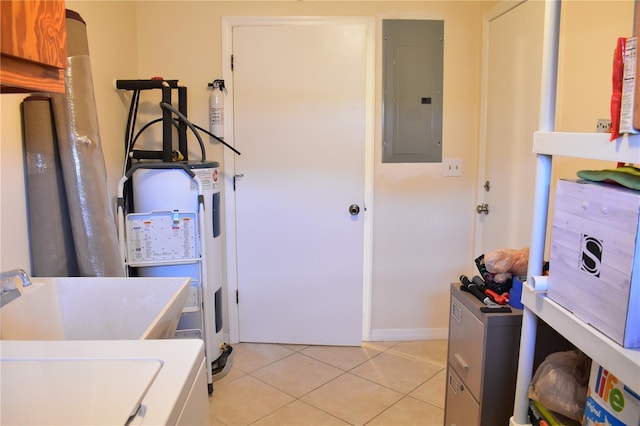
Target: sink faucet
8	279
8	290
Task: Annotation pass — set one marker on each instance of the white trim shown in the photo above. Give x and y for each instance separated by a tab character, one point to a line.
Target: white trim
229	196
228	23
492	14
369	174
408	334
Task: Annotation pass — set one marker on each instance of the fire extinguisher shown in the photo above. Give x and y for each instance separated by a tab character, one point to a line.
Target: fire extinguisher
216	108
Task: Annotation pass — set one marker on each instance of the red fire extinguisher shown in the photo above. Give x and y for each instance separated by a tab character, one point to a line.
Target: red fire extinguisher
216	108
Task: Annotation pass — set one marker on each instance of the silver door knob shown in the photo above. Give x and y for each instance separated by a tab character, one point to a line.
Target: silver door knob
482	208
354	209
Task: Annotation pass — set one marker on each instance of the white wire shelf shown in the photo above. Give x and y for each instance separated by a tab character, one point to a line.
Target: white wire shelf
164	262
593	146
623	363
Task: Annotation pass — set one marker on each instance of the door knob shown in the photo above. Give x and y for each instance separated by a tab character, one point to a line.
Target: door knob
482	208
354	209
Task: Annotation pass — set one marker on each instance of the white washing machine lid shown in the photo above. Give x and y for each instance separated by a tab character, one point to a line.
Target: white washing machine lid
80	391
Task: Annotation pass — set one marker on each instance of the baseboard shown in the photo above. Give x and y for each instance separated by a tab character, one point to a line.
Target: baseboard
396	334
403	334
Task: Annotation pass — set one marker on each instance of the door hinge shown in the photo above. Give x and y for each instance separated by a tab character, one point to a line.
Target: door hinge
237	298
235	178
231	62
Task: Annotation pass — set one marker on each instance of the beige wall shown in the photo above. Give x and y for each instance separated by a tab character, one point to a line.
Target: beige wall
589	30
423	223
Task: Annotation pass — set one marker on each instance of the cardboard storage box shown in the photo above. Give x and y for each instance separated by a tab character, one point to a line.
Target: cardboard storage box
594	265
609	401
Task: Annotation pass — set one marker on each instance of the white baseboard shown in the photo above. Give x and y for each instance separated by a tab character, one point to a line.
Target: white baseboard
395	335
226	338
403	334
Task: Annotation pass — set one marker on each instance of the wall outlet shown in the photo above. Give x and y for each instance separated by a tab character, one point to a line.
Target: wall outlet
452	167
603	125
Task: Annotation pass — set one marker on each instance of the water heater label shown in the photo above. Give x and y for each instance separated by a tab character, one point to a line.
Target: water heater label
208	178
161	236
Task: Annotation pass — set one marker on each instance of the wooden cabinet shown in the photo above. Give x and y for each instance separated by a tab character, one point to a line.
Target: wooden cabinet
33	46
482	362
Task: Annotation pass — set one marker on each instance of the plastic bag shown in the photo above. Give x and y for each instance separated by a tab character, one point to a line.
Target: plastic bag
560	383
505	263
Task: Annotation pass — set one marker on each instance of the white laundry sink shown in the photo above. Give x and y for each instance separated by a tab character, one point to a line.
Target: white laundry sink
95	309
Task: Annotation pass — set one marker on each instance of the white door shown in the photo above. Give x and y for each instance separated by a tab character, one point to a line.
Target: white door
512	56
299	106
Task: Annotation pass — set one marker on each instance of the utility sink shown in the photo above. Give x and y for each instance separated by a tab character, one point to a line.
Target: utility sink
95	309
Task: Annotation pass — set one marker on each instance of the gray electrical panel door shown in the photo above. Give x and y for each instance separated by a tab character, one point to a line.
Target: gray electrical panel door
412	59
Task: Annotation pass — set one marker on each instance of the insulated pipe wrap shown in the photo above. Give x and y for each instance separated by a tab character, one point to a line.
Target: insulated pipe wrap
52	250
85	177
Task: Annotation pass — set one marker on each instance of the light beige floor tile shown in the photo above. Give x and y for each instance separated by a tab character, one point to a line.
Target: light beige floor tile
432	351
381	346
299	413
396	371
296	348
215	422
352	399
297	374
343	357
249	357
245	400
264	379
433	390
409	411
233	374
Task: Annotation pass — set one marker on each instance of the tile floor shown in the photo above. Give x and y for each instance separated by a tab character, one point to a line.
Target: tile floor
380	383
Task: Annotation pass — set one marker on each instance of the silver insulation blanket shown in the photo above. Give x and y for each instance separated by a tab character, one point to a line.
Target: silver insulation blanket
92	219
52	250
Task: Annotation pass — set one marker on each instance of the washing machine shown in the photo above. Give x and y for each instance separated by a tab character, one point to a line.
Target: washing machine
105	382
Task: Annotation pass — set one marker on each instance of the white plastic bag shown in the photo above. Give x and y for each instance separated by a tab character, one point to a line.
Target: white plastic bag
560	383
505	263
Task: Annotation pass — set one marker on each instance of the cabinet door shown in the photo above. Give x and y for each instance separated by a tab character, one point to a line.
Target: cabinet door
461	408
34	30
33	46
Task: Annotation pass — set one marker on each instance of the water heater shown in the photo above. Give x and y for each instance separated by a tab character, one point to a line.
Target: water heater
173	191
